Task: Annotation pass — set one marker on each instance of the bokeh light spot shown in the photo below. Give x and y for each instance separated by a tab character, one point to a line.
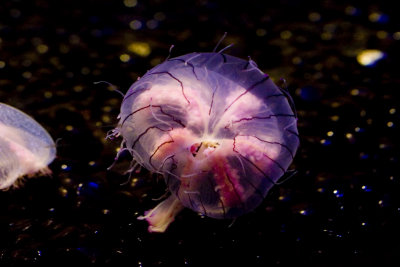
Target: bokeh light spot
369	57
140	48
124	57
130	3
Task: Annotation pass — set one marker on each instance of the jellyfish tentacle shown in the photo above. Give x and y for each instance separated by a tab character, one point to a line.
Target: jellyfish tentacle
219	41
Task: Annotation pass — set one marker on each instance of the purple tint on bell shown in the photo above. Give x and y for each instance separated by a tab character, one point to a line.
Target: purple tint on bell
25	147
217	128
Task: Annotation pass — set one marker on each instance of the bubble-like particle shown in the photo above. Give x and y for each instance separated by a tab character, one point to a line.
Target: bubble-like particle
216	127
25	146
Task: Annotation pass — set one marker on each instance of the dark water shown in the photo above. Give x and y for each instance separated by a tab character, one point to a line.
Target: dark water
342	207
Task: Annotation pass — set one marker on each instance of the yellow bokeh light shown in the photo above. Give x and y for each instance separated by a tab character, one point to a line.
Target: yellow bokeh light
286	35
261	32
382	34
314	16
374	16
124	57
27	74
130	3
48	94
64	166
106	118
42	48
355	92
369	57
140	48
335	118
350	10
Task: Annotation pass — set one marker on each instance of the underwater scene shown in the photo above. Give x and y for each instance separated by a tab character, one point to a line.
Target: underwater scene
199	133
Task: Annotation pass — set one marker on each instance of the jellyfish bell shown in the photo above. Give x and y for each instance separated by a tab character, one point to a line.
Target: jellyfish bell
26	148
216	127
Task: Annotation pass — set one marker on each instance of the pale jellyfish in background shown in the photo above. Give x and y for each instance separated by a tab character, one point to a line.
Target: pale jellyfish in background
217	128
25	147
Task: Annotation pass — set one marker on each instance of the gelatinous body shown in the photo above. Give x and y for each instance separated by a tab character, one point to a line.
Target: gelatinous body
25	147
217	128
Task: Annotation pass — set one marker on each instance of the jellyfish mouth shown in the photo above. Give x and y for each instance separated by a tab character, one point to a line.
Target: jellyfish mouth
203	149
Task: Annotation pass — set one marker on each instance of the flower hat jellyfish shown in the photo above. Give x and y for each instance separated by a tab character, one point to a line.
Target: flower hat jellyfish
217	128
25	147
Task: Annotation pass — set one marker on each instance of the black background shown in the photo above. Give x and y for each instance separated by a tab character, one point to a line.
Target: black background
341	208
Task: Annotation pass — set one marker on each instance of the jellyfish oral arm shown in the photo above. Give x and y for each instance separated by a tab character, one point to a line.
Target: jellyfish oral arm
160	217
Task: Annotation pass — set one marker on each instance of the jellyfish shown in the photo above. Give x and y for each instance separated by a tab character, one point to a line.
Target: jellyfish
216	127
25	146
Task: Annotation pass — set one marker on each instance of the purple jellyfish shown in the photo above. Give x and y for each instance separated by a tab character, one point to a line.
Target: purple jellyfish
216	127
